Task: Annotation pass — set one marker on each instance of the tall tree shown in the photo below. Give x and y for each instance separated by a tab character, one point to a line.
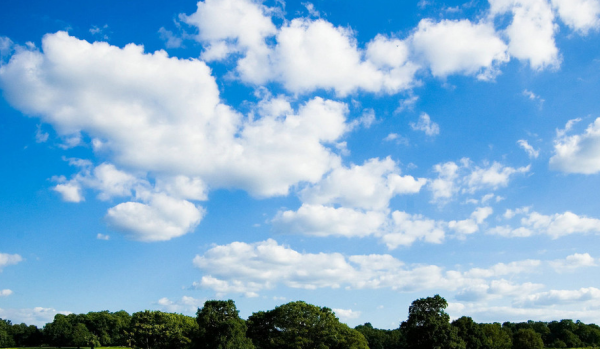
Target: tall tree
158	330
527	339
298	325
496	337
428	326
470	332
220	327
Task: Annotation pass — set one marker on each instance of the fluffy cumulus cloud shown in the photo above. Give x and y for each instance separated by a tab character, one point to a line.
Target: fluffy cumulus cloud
459	47
161	117
5	293
579	15
160	218
555	226
574	261
369	186
319	220
9	259
307	54
578	153
531	31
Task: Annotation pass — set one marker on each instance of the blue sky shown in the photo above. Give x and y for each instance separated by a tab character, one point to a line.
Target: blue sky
355	155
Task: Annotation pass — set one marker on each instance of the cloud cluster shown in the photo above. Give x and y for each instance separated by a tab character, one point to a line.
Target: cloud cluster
38	316
185	305
465	177
267	264
161	118
578	153
555	226
307	53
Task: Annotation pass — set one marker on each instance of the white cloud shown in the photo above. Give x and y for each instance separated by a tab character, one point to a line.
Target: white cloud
407	228
531	152
187	142
503	269
321	220
9	259
579	15
577	153
5	293
496	289
459	47
556	225
471	225
493	177
562	297
240	25
445	187
308	54
426	125
161	218
486	313
185	305
145	120
313	54
70	191
103	237
38	316
531	32
369	186
267	265
465	178
347	314
574	261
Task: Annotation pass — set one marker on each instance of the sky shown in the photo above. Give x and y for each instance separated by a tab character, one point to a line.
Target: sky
355	155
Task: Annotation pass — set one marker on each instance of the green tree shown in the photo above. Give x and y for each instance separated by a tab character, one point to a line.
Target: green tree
496	337
158	330
6	338
428	326
470	332
298	325
527	339
220	326
59	332
381	339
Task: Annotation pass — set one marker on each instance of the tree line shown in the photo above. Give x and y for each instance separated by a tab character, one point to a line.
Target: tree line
295	325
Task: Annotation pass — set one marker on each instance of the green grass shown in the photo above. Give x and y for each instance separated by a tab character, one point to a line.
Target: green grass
44	347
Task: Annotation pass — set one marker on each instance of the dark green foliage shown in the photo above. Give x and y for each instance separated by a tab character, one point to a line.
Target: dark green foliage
6	338
294	325
470	332
298	325
220	327
381	339
496	337
158	330
428	326
527	339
